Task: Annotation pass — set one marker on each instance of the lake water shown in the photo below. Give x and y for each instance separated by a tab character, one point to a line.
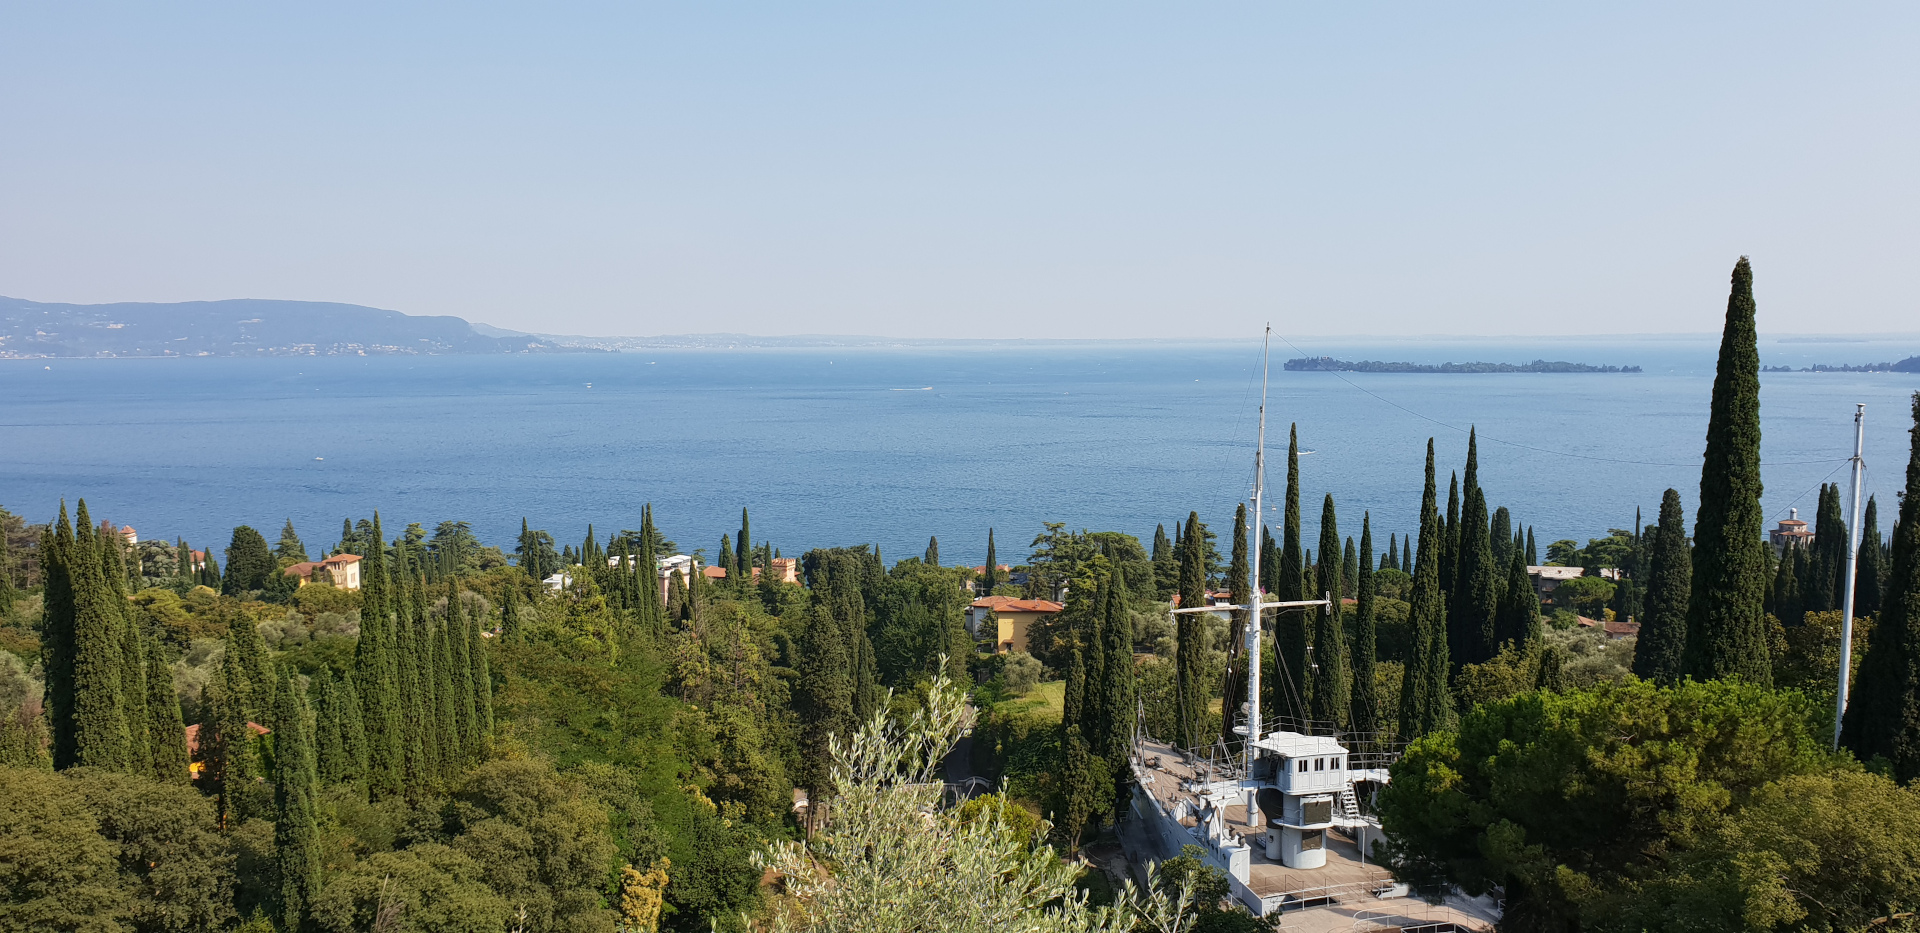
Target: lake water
889	446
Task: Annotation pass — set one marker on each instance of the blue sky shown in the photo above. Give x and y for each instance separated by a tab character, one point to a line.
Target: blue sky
977	169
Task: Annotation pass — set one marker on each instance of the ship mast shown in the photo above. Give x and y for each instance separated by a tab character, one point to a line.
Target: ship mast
1258	520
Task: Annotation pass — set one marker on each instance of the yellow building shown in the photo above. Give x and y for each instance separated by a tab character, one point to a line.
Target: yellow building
1014	617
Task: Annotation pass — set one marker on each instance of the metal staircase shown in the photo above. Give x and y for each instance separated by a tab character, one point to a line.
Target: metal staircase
1349	807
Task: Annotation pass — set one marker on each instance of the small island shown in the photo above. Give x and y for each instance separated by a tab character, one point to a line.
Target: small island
1327	364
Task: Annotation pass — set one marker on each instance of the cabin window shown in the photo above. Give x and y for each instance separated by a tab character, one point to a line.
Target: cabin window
1336	764
1303	766
1319	764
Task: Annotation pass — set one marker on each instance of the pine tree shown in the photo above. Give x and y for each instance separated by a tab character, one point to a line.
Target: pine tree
1189	652
1240	590
933	551
1469	610
377	673
290	550
1884	717
295	829
99	721
1659	652
1425	701
1726	633
1290	585
165	729
249	562
1366	692
1331	696
1871	573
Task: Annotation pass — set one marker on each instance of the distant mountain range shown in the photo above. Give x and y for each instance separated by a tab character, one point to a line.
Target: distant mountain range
1327	364
240	327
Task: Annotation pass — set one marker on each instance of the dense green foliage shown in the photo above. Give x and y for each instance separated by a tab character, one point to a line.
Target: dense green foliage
1883	720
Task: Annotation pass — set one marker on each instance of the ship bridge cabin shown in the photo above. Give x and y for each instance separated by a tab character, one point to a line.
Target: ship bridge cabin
1295	782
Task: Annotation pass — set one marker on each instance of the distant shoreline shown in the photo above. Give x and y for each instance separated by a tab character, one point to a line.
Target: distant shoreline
1327	364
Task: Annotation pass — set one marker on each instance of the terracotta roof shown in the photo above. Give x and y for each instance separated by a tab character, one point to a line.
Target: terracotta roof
1010	604
342	559
982	569
305	569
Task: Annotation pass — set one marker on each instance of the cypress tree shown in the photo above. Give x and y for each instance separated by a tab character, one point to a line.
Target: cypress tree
1166	569
7	593
353	731
413	656
992	578
452	697
1533	555
1883	719
1366	692
1406	555
726	559
1517	616
1469	612
1114	741
210	571
1290	584
1189	654
1726	633
1350	567
1822	589
226	742
1501	537
743	549
1390	560
1425	702
1870	576
471	739
331	764
249	562
1660	649
480	683
1330	697
295	830
56	638
167	732
377	673
933	551
1786	601
1450	539
182	559
133	656
510	613
1240	589
99	720
824	694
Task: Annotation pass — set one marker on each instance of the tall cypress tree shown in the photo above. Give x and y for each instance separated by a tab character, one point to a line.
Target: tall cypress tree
992	576
99	720
1390	559
377	673
1826	580
1189	653
452	696
1350	567
743	549
7	592
133	657
56	639
167	733
1501	537
1469	606
933	551
1660	650
1784	599
1726	632
727	562
353	732
1870	575
471	731
295	829
229	762
1883	719
1426	704
1516	618
1233	690
1117	688
414	657
1366	692
1533	555
1290	584
330	762
1330	697
824	693
480	682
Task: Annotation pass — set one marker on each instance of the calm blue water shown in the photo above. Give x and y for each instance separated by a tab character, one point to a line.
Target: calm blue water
844	446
